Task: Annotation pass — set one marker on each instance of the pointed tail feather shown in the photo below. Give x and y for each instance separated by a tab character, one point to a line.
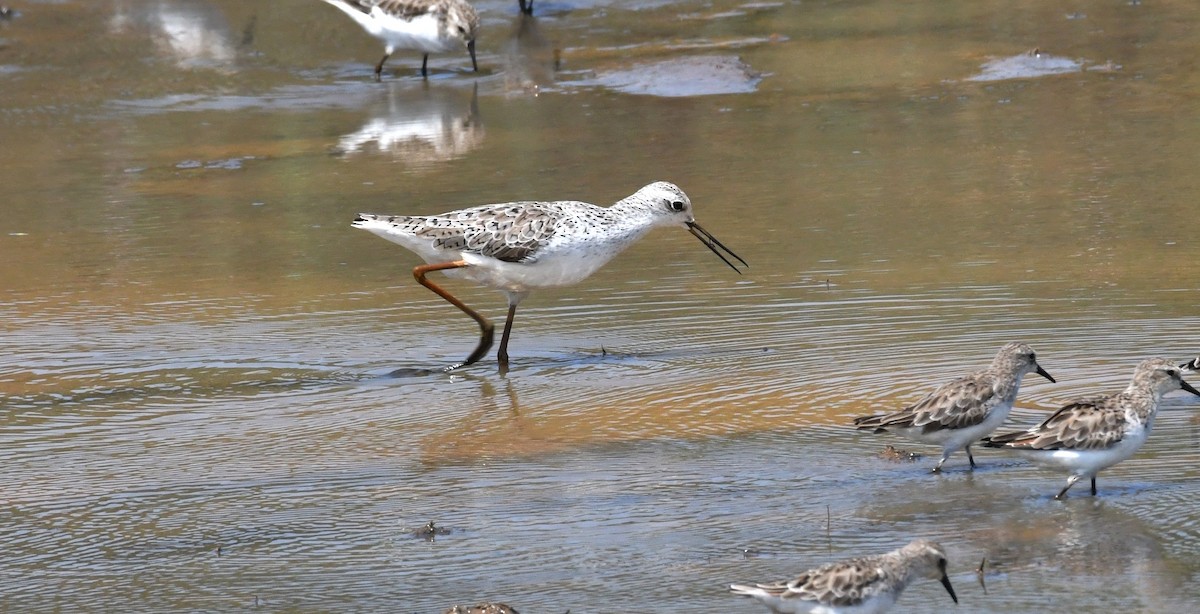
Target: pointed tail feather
757	590
1001	441
369	221
871	423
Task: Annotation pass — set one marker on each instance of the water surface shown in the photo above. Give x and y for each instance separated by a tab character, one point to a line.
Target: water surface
197	352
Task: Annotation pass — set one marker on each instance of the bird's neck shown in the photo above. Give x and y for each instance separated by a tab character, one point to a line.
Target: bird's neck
631	215
1143	401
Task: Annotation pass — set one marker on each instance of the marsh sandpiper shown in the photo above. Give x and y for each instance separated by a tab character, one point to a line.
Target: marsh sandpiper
519	246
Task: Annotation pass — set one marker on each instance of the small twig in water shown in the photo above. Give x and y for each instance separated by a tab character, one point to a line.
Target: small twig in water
979	572
829	527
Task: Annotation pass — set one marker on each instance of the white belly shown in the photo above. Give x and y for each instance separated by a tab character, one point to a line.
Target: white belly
1087	463
548	272
957	439
420	33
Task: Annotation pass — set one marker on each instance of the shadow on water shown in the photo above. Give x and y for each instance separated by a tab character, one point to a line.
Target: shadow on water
544	365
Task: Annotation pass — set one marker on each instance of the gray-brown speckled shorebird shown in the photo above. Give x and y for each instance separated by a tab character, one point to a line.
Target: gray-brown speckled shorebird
428	26
958	413
1095	433
864	585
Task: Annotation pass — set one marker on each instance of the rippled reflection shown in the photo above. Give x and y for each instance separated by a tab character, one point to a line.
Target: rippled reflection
215	395
420	127
530	57
193	32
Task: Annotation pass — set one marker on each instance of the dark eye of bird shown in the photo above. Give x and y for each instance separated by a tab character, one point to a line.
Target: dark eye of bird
677	205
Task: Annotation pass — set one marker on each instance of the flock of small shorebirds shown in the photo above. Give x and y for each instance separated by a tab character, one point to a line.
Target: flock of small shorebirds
1083	437
520	246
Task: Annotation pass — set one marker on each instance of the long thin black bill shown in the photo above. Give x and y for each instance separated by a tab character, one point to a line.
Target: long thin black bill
1188	387
712	243
949	589
471	50
1042	372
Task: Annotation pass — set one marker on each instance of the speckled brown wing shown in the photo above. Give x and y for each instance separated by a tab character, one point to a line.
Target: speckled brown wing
957	404
1086	424
847	583
512	232
963	403
404	9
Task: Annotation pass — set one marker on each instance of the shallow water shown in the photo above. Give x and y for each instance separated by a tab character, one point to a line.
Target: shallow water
217	395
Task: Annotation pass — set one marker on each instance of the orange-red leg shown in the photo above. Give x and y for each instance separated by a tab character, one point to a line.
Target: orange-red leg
486	329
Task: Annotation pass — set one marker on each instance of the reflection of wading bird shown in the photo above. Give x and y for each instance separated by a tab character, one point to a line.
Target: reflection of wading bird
860	586
516	247
419	127
1095	433
429	26
526	6
958	413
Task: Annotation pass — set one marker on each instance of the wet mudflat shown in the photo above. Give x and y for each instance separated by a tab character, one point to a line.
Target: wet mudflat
196	348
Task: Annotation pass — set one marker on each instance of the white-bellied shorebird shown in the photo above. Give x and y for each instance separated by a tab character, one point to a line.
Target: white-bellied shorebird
1095	433
519	246
428	26
864	585
960	412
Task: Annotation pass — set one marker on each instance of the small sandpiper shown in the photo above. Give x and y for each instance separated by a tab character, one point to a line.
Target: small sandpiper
1095	433
864	585
429	26
960	412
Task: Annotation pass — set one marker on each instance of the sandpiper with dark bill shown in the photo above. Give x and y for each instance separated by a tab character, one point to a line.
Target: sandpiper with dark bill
1094	433
864	585
428	26
962	411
